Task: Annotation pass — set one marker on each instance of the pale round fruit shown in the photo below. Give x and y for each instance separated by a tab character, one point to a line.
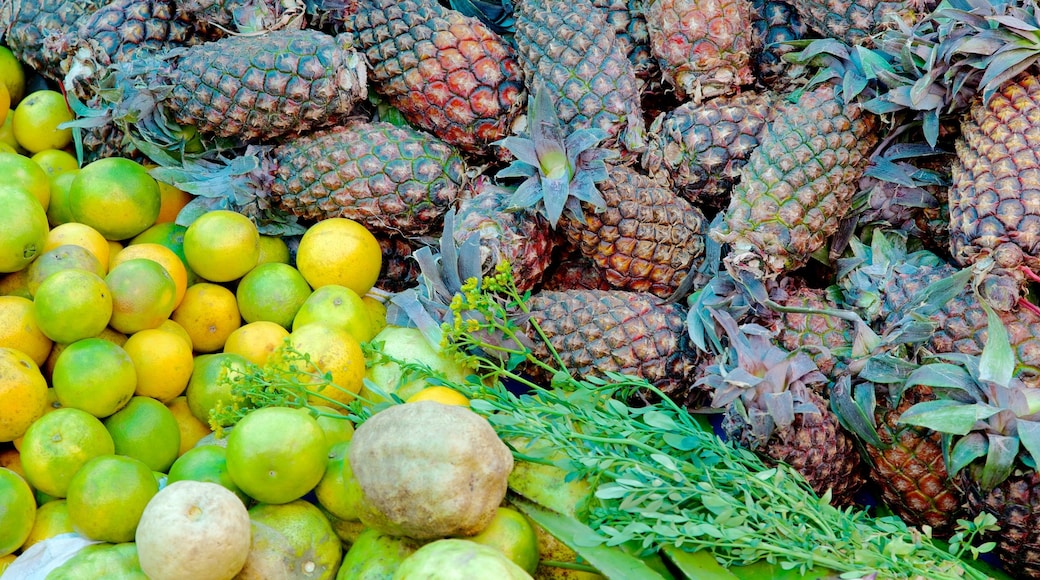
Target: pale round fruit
193	530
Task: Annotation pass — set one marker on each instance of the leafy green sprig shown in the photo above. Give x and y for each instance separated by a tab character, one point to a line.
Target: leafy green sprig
661	478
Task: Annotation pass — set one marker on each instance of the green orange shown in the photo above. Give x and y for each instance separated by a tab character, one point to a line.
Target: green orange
107	497
208	388
222	245
146	430
17	511
205	463
64	257
22	171
94	375
116	197
143	295
58	444
72	305
25	227
273	292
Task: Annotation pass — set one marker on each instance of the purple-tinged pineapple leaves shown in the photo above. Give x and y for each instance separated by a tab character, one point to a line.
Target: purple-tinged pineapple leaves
941	375
1000	461
410	308
780	407
581	141
854	407
929	301
967	449
523	150
1004	67
946	416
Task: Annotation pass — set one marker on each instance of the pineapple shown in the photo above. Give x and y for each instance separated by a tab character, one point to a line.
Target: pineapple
568	49
447	73
398	270
642	235
240	87
217	18
906	462
701	147
798	184
855	21
523	238
770	406
826	339
28	24
393	180
573	271
993	446
773	23
702	47
629	23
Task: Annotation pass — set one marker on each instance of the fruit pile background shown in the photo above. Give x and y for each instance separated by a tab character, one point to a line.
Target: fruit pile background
235	231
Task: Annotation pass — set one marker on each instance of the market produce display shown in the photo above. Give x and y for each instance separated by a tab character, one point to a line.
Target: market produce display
634	289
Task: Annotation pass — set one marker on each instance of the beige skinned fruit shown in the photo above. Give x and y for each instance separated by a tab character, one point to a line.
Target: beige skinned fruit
429	470
193	530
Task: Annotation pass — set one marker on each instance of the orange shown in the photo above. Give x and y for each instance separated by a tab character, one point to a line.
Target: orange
15	284
439	394
191	429
55	161
94	375
25	226
73	304
7	135
206	463
256	340
377	311
208	388
331	350
108	334
12	75
11	458
209	314
107	497
5	102
340	251
176	330
293	536
79	235
143	295
161	255
59	444
116	197
20	331
163	362
146	430
27	174
58	211
273	249
65	257
222	246
337	306
52	519
277	454
172	202
171	236
23	393
339	491
337	426
272	292
511	533
17	511
36	120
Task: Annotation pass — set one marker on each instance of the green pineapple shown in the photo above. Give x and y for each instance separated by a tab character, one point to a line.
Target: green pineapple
568	49
447	73
771	407
855	21
241	87
393	180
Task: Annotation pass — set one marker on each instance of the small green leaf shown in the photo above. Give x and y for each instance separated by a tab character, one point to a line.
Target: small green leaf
1029	435
1000	461
967	450
659	420
947	416
943	375
612	562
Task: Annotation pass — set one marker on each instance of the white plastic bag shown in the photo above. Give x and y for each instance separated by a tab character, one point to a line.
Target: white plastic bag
43	557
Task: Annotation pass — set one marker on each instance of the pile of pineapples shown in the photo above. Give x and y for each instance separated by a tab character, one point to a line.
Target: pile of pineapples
829	243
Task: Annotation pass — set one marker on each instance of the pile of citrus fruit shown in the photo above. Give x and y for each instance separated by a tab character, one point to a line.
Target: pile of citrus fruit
117	327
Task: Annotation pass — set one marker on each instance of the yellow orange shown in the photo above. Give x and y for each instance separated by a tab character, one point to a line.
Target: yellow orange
116	197
439	394
209	314
331	350
58	445
222	246
143	295
190	427
340	251
64	257
20	331
52	519
163	362
176	330
23	393
36	120
173	201
79	235
12	75
25	226
55	161
273	249
256	340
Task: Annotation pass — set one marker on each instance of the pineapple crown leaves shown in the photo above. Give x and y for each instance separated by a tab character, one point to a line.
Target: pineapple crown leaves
989	419
560	172
223	183
766	383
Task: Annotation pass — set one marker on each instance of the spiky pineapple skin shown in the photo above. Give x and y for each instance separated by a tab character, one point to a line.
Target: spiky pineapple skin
447	73
826	339
910	470
701	46
798	184
995	197
646	240
28	24
569	48
854	21
700	147
1016	505
261	87
635	333
773	22
574	271
391	179
629	23
523	238
815	445
127	29
399	270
